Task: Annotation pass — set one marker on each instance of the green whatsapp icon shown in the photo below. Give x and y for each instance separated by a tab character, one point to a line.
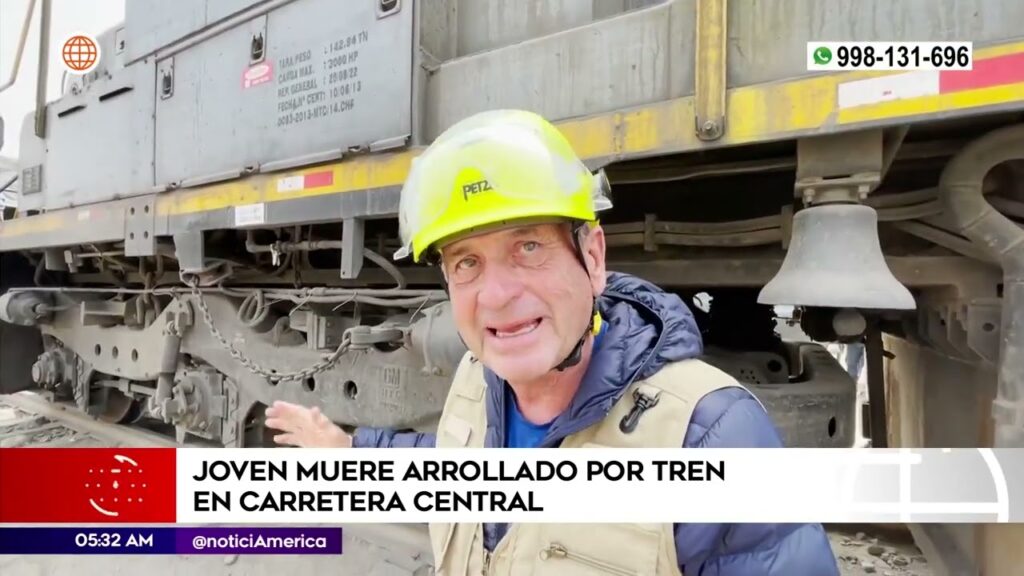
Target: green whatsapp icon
822	55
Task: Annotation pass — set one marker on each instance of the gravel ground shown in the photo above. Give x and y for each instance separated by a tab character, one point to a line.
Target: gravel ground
18	428
864	551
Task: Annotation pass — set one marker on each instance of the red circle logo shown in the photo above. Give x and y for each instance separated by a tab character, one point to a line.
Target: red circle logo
80	53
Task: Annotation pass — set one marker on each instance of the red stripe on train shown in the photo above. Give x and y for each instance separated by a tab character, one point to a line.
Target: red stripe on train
1006	69
317	179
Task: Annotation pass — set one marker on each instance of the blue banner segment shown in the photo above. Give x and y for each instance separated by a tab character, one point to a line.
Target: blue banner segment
254	540
170	540
87	540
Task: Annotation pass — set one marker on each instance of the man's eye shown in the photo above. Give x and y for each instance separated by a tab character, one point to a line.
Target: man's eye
530	246
466	264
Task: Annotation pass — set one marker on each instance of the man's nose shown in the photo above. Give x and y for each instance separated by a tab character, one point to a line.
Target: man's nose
498	286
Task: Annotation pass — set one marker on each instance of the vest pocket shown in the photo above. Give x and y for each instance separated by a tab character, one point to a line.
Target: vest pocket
457	430
578	549
557	553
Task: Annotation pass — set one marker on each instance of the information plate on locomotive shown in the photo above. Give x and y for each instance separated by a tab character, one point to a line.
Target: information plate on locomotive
328	77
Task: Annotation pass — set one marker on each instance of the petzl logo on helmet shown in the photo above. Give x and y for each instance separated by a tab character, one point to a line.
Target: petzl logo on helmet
475	188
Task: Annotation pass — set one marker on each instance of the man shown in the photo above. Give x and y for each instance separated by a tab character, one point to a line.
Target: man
563	354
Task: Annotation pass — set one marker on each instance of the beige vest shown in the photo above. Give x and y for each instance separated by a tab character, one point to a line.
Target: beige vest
566	549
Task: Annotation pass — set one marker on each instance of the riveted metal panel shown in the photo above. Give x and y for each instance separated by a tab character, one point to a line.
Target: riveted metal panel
150	24
99	144
488	24
153	24
606	65
335	76
140	227
218	9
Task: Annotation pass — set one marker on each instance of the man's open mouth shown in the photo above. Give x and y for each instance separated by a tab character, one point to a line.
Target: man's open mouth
516	329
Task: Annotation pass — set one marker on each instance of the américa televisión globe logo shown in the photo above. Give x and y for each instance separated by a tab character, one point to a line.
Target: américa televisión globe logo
80	53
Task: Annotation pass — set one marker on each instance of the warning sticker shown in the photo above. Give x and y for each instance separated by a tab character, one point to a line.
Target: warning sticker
305	181
250	214
257	74
290	184
888	88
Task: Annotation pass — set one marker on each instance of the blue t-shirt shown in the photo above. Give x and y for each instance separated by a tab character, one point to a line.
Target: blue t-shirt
520	432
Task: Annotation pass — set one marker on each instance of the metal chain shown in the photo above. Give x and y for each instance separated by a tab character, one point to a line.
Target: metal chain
255	368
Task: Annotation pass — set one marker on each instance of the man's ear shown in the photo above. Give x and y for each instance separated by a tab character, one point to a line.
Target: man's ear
594	254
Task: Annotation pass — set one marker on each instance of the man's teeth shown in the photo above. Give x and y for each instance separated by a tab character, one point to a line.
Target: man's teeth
524	329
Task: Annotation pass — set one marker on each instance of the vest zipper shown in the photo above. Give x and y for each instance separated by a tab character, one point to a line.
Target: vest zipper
559	551
487	563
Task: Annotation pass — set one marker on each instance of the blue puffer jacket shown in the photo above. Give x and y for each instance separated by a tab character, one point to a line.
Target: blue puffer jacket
648	328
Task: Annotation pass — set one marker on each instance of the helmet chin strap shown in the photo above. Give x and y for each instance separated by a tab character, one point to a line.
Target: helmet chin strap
576	354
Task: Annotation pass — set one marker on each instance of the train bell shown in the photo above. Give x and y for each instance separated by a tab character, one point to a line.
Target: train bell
835	260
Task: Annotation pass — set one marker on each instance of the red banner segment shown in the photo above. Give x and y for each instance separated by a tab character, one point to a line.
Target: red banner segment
66	485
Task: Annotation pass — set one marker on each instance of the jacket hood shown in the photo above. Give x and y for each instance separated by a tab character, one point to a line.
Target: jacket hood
646	328
657	325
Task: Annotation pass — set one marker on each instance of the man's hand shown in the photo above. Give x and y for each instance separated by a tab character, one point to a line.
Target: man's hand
305	427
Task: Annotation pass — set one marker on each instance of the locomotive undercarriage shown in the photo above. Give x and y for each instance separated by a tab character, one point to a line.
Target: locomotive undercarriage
219	323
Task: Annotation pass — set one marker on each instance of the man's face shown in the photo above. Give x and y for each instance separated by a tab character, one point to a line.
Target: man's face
520	297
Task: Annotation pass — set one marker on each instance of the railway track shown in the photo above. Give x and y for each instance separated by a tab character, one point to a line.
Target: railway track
30	420
42	422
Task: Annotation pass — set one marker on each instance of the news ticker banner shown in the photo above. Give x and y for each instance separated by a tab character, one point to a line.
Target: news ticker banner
590	485
170	540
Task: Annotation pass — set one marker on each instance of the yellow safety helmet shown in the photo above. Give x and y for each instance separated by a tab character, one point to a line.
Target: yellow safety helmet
492	169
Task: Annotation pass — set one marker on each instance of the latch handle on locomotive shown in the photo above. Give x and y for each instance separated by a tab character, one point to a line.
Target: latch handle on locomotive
363	336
